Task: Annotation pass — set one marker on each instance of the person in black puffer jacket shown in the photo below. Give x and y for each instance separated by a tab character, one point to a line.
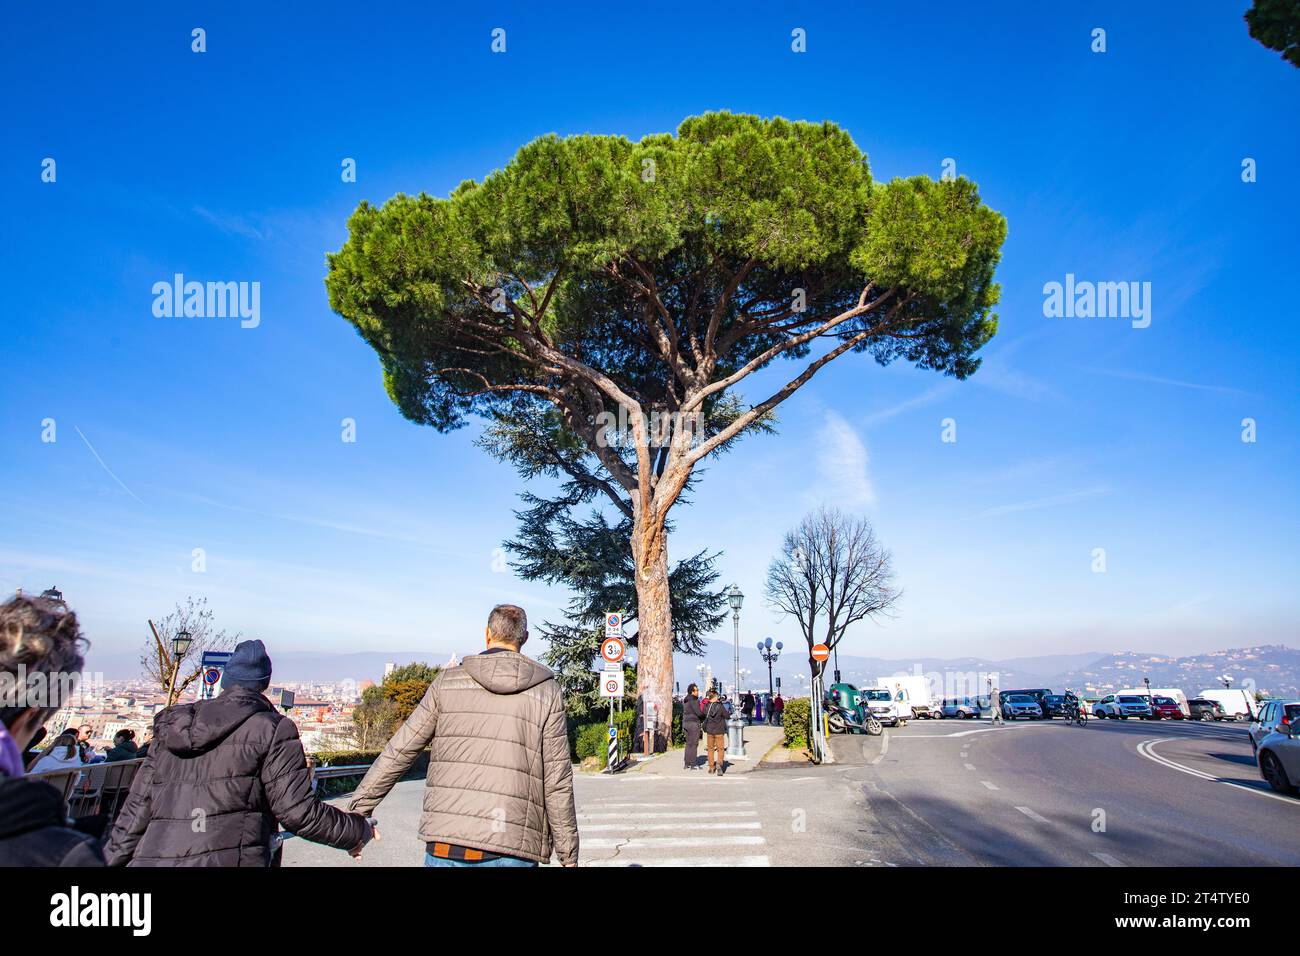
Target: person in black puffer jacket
220	775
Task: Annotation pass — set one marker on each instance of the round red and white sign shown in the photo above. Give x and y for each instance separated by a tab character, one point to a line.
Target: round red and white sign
612	650
820	652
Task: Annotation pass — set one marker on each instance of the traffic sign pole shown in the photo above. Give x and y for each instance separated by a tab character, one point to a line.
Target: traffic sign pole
611	680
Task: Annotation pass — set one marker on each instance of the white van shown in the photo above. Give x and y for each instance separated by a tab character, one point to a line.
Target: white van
916	694
1237	703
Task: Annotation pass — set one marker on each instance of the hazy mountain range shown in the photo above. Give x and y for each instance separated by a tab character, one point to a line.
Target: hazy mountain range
1274	669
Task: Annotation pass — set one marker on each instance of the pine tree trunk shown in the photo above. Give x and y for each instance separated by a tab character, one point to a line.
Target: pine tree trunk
654	669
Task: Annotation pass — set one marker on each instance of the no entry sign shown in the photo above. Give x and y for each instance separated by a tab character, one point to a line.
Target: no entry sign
820	652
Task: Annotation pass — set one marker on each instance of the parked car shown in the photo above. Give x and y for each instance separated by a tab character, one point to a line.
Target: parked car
1275	715
884	708
1165	708
1279	758
1202	708
1037	694
1054	704
960	708
1122	706
1016	706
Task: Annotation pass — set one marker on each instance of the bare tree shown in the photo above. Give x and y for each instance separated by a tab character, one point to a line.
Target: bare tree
832	570
157	659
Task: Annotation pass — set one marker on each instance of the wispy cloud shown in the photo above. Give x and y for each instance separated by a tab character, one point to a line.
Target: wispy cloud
1158	380
232	224
842	465
928	397
1034	504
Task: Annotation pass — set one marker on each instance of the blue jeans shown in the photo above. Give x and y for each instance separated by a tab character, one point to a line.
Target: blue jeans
431	860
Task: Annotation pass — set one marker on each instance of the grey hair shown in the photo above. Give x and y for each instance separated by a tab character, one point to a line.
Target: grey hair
39	639
508	624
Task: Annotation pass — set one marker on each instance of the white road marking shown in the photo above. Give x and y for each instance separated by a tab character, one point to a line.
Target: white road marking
969	766
1036	817
747	861
884	749
634	826
1147	749
1108	859
669	816
991	786
642	843
659	806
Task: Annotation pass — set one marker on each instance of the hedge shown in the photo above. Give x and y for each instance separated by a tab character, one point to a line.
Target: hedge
592	740
796	721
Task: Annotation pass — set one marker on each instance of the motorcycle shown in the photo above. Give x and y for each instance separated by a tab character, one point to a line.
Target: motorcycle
842	720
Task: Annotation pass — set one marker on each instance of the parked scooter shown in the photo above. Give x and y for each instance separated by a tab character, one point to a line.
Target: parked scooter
844	720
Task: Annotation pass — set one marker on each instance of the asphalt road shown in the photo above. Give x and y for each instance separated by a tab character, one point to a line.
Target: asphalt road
1112	793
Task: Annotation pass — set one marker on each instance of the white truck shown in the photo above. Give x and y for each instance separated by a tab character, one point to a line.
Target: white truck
1238	704
917	699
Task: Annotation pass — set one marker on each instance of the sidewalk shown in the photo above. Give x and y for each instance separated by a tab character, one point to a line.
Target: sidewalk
759	739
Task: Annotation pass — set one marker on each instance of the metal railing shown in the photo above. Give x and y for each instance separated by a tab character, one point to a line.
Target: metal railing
330	773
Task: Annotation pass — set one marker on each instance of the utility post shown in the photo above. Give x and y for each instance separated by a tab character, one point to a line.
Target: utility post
736	724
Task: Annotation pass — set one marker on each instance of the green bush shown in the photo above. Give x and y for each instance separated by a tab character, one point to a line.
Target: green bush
592	739
796	720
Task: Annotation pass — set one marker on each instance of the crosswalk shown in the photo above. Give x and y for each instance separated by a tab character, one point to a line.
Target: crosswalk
615	832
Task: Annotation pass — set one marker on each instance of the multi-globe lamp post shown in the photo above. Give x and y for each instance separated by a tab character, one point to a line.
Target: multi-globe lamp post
769	652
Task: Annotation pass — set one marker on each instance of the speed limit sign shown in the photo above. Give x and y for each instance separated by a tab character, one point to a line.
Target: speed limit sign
611	683
611	649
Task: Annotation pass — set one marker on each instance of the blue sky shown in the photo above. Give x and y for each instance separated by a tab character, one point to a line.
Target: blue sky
1078	433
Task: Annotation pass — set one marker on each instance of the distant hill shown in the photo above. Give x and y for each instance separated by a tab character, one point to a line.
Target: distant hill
1273	669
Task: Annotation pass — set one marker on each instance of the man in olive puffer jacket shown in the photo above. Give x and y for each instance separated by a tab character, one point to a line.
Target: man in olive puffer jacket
220	775
499	791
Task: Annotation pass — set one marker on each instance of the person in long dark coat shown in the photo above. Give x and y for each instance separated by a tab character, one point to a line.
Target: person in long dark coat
692	715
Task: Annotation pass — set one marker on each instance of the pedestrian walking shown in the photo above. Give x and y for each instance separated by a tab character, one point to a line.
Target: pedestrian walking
715	730
692	715
39	641
499	791
778	705
995	702
747	706
221	777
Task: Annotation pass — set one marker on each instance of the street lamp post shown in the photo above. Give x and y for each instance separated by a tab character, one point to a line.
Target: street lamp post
180	647
769	653
736	724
